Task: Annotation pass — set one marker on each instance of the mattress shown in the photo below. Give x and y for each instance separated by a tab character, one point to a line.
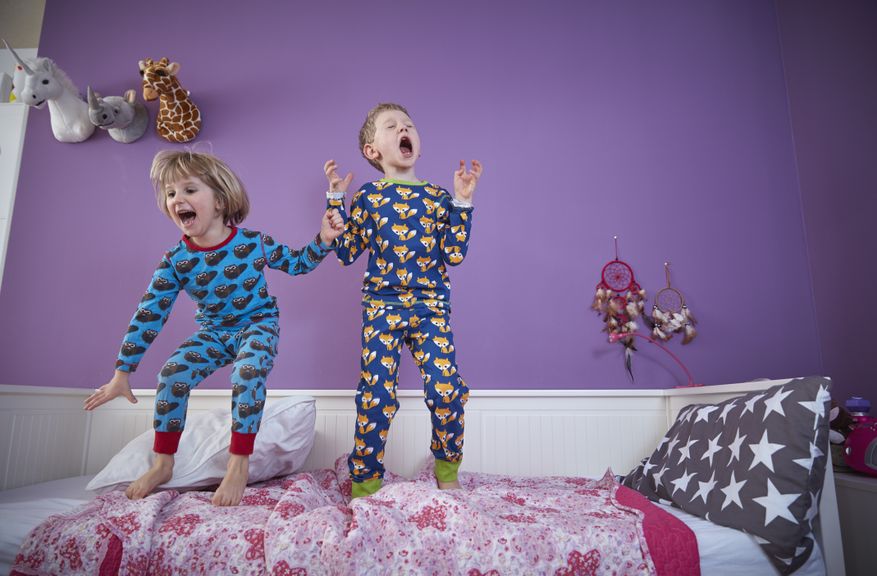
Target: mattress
730	552
723	550
23	509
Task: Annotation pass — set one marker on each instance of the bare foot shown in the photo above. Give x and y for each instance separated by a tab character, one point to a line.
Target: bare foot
231	489
161	471
455	485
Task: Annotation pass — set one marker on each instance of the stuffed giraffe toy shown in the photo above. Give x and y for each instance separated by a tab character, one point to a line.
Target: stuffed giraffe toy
178	119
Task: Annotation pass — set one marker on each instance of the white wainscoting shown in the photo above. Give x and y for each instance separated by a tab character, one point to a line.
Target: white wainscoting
45	434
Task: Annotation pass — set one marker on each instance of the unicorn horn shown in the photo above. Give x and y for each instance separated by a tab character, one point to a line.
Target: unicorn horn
21	63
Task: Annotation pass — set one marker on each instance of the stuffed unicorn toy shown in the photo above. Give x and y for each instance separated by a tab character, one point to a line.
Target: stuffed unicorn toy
40	81
123	117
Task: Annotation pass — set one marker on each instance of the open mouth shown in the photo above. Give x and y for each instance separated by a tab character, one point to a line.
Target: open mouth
186	217
405	147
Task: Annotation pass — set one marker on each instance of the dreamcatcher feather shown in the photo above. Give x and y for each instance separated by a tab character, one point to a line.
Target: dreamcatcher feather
620	301
670	315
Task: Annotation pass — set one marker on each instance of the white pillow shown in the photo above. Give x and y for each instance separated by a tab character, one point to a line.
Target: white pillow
283	443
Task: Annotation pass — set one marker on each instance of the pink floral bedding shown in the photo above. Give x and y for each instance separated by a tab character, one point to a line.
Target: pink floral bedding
305	524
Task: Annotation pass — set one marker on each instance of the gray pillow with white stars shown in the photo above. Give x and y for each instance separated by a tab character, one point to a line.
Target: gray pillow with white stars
755	463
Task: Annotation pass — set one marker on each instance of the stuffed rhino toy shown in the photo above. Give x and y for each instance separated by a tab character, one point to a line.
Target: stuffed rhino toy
122	116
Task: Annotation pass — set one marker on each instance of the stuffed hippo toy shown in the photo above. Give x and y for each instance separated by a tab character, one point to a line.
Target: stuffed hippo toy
123	117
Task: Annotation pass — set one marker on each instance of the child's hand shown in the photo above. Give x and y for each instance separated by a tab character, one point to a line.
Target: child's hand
336	183
465	181
332	226
118	386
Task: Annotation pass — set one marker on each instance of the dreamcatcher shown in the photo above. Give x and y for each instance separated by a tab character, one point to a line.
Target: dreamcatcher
670	315
620	300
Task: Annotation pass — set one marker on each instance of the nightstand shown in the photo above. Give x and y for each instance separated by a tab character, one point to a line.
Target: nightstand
857	507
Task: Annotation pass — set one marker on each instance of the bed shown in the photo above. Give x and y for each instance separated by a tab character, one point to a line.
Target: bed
604	429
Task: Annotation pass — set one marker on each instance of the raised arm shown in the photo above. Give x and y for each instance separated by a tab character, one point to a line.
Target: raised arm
353	240
457	214
465	182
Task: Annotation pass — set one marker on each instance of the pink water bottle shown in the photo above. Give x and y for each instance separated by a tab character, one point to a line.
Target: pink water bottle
858	408
860	448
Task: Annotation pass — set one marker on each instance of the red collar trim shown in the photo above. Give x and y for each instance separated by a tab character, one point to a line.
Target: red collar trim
196	248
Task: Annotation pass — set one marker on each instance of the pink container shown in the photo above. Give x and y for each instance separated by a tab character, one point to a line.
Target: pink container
860	449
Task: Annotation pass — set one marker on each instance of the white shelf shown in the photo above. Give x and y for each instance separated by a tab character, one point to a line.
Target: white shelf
13	121
857	506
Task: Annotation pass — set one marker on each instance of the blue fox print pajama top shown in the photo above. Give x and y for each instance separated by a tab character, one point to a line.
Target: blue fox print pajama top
239	324
412	232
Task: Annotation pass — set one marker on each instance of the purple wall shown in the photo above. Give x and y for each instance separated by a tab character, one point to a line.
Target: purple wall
664	124
829	51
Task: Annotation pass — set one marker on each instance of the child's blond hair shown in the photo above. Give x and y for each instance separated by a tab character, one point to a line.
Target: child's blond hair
170	166
367	132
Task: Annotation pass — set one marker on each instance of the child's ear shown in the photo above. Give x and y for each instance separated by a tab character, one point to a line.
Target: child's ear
370	152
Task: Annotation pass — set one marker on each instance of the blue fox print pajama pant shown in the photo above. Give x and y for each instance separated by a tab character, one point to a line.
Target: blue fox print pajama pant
252	350
427	333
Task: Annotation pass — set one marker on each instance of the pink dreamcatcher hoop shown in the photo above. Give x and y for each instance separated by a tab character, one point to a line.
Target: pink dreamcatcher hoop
620	301
670	315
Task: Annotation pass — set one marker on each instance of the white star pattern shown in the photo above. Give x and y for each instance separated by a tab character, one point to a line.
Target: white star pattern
712	449
657	477
732	492
704	413
750	404
726	410
672	445
775	403
704	489
776	504
763	452
685	451
685	415
807	463
813	510
734	446
817	406
767	488
681	483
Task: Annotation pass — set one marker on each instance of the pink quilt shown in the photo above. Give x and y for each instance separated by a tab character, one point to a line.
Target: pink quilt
305	524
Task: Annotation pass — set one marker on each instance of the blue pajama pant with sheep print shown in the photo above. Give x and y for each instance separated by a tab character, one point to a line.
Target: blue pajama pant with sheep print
427	333
252	350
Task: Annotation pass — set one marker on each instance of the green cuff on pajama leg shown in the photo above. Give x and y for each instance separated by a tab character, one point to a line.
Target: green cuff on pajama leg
366	488
446	471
